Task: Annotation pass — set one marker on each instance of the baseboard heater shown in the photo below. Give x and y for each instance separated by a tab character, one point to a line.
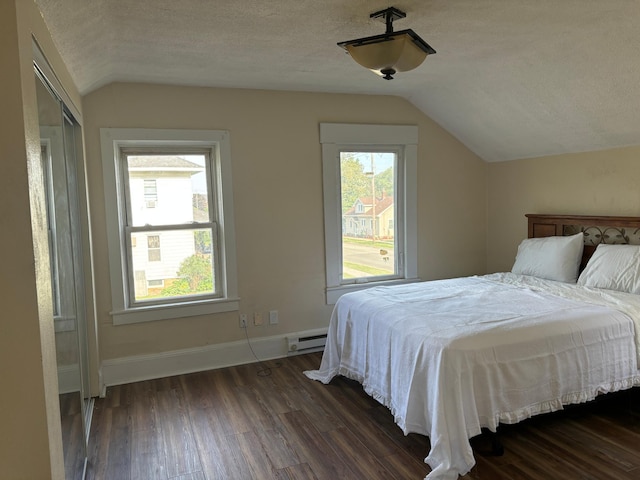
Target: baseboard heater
306	342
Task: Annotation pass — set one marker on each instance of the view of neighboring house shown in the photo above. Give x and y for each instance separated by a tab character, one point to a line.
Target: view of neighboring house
369	214
161	193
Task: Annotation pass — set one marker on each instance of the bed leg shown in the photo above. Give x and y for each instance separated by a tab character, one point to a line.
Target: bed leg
496	446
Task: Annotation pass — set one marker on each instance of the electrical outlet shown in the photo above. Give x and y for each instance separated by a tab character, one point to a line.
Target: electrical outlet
243	320
273	317
257	319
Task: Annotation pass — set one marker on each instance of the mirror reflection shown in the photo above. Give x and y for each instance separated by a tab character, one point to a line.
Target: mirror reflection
58	134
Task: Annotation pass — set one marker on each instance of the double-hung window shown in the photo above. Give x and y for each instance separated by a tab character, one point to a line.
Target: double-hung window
369	183
170	223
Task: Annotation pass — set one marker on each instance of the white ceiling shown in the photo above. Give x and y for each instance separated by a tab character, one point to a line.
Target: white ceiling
511	78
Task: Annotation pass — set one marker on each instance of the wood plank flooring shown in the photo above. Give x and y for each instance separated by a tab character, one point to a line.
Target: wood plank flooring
236	424
72	434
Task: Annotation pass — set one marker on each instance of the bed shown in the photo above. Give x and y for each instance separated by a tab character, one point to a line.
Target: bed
452	357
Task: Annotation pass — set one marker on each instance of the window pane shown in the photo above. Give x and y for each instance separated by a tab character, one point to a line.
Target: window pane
153	248
150	193
172	263
368	211
167	189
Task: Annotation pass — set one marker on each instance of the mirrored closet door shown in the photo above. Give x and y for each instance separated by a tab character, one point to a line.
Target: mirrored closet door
60	141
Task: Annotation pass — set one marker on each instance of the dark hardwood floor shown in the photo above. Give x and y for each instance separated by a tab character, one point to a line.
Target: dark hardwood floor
235	423
72	434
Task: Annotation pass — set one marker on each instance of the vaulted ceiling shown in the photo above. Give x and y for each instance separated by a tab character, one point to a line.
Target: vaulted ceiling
511	78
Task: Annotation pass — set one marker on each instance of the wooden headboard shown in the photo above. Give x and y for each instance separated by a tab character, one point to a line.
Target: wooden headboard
610	230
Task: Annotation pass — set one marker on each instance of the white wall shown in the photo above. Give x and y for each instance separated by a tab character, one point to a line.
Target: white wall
590	183
31	439
277	176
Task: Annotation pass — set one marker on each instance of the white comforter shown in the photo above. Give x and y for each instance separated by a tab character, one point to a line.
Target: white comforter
449	357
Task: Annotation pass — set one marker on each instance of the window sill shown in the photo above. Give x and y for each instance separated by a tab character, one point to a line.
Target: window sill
334	293
165	312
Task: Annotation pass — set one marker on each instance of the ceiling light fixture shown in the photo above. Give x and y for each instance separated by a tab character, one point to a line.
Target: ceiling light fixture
390	52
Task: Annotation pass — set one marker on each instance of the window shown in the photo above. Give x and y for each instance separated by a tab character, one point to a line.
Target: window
150	193
153	248
369	182
169	191
45	148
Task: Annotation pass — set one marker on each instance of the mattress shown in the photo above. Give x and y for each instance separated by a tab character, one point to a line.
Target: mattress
452	356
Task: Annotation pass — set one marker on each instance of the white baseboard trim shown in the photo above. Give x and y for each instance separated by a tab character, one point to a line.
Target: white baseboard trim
69	378
137	368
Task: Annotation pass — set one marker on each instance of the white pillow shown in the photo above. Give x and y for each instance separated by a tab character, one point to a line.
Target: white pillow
553	258
614	267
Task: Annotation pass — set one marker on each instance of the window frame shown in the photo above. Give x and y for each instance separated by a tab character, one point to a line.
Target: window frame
219	181
368	224
338	137
157	229
46	144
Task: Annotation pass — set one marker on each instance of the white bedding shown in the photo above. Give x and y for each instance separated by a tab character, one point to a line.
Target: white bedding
449	357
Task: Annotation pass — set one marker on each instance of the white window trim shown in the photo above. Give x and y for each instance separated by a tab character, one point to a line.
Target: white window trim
50	140
337	136
112	140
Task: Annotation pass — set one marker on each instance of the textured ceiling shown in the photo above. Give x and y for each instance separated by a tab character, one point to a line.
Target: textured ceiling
511	79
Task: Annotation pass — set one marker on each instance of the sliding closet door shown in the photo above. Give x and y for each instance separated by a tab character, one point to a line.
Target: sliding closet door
71	131
57	137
